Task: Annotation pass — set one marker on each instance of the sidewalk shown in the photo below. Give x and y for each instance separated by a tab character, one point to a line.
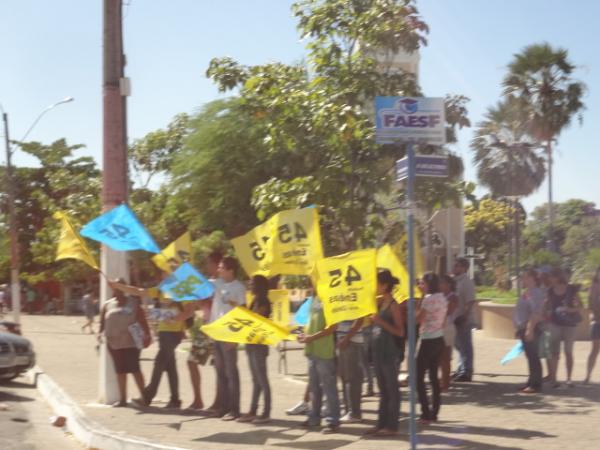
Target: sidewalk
485	414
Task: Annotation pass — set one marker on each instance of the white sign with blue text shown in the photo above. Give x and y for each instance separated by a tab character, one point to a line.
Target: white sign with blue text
410	119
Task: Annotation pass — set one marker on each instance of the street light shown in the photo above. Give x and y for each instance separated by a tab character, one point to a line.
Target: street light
12	216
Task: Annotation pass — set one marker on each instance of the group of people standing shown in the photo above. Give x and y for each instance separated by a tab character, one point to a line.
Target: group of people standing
546	317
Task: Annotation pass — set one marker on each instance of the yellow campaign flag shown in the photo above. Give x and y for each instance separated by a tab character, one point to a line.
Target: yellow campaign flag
280	307
388	259
174	254
243	326
251	249
401	249
347	285
70	244
295	245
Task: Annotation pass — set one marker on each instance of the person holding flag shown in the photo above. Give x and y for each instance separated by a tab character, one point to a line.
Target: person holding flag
229	293
116	317
257	355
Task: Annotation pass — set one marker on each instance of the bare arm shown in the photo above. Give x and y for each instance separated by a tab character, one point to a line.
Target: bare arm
397	329
312	337
127	289
356	326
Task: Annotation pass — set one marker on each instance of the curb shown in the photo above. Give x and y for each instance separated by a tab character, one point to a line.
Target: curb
91	434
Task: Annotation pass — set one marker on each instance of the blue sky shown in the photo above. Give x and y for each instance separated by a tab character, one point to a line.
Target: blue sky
50	50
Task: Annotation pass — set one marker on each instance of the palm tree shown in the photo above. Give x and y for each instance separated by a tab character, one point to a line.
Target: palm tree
541	77
507	157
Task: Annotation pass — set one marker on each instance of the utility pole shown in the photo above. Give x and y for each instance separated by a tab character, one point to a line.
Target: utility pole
15	285
114	167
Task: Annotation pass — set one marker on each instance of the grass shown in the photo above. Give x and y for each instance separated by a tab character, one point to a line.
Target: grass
496	295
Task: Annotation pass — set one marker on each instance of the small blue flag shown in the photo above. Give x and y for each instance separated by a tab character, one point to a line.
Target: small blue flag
303	314
186	283
121	230
513	353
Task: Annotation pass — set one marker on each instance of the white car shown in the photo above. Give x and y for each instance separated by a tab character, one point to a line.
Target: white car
16	355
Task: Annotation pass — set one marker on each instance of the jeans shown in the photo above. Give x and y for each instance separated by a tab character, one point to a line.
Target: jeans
464	344
366	357
428	359
386	371
533	360
165	361
257	359
351	373
228	377
322	380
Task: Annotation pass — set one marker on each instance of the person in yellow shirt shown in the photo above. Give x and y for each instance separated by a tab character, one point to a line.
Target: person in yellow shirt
171	327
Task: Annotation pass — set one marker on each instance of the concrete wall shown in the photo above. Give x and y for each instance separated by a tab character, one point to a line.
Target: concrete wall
496	321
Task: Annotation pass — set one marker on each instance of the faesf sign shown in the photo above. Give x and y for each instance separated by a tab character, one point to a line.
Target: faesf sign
425	166
410	119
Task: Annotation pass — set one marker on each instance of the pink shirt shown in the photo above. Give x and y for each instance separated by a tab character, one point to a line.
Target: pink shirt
434	320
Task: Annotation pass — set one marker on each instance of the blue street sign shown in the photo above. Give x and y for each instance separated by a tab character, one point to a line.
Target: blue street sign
425	166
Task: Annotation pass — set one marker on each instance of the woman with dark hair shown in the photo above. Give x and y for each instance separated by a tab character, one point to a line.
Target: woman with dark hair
432	317
257	355
563	305
388	325
527	319
117	316
594	305
448	288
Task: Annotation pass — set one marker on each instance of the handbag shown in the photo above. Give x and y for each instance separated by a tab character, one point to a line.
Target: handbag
567	318
137	334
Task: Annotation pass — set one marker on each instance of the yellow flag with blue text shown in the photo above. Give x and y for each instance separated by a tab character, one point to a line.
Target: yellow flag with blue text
280	306
174	254
251	250
401	249
70	244
347	285
388	259
242	326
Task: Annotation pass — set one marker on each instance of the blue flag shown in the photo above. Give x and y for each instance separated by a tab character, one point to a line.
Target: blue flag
303	314
120	230
513	353
186	283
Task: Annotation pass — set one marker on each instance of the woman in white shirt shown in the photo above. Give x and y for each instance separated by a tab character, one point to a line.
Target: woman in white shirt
432	318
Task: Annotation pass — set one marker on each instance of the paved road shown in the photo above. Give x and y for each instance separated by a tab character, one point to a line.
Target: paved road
488	414
24	420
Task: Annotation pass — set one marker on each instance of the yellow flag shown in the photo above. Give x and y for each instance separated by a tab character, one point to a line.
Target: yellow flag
295	245
388	259
251	249
243	326
70	244
280	306
174	254
401	249
347	285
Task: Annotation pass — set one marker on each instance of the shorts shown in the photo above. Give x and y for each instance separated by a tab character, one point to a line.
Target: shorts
449	334
559	333
595	331
127	360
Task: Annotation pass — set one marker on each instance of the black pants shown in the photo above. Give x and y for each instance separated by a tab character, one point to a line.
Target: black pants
428	360
531	349
165	362
228	377
257	359
386	371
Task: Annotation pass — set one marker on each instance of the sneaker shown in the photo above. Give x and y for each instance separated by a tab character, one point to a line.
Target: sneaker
261	420
246	418
309	424
139	402
349	418
298	410
119	404
529	390
173	404
463	379
230	417
331	429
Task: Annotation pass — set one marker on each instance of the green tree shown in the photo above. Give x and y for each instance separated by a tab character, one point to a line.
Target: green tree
542	78
316	118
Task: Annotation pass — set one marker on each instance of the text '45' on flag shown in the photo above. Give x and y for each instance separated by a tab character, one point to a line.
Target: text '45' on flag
120	230
186	283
